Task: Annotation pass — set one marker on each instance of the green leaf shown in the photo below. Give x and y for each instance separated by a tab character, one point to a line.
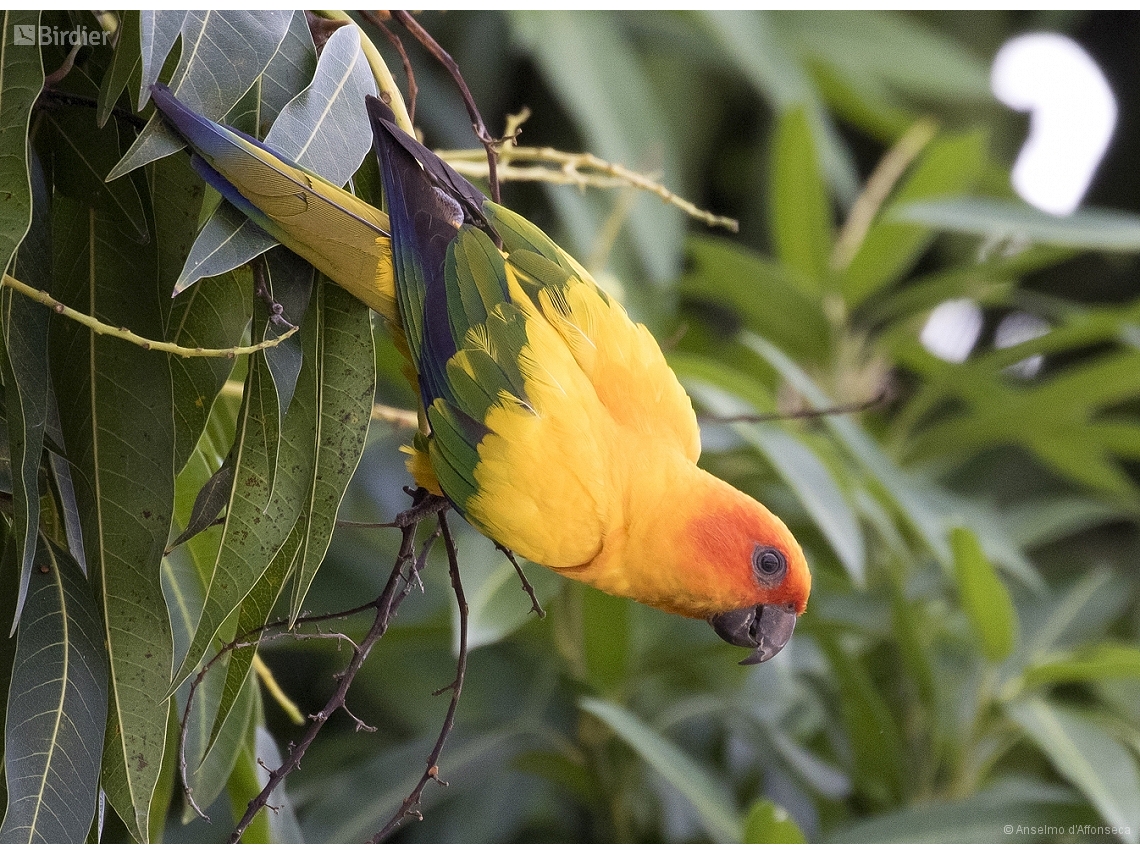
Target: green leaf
1018	809
984	598
126	63
614	108
1107	660
21	78
754	42
211	499
1088	228
290	71
57	708
215	314
158	31
767	822
24	369
708	795
116	412
800	210
210	763
1089	758
322	129
770	300
948	167
207	79
340	329
875	740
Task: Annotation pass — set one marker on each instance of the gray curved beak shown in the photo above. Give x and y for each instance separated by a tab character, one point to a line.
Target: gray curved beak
766	628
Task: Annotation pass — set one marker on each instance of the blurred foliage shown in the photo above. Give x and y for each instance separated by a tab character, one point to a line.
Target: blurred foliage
970	658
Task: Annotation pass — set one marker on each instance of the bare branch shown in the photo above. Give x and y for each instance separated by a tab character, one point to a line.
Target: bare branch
535	606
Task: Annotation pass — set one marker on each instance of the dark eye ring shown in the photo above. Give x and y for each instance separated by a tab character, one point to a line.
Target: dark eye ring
769	564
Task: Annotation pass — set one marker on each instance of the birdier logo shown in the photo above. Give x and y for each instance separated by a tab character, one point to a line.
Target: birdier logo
30	34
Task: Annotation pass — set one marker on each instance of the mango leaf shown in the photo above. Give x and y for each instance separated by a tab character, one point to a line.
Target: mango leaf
711	799
1089	758
1089	228
116	412
800	211
126	63
948	167
206	80
614	108
24	369
261	510
324	129
21	78
158	31
289	281
984	598
290	71
57	708
767	822
345	367
214	315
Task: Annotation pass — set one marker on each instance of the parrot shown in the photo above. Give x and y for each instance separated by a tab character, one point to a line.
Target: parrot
550	420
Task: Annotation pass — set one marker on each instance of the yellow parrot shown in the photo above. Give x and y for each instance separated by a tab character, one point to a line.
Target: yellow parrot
556	427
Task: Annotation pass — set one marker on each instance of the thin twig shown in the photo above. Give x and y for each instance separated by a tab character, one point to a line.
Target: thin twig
806	413
580	170
444	59
413	90
55	96
535	606
125	334
385	606
431	773
878	187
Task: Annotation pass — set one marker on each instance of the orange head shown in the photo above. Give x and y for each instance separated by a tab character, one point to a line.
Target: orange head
758	565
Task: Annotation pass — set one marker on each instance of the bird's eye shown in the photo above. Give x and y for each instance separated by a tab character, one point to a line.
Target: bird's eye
770	564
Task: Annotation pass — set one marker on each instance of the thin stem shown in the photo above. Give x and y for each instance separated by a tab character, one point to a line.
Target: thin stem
413	90
431	772
125	334
581	170
444	59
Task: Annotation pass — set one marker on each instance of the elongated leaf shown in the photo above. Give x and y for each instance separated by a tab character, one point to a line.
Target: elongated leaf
1088	228
1020	810
24	368
126	63
709	796
1109	660
158	31
214	315
272	482
207	80
324	129
21	78
290	71
116	413
290	282
752	40
800	210
57	708
1089	758
345	369
984	598
209	503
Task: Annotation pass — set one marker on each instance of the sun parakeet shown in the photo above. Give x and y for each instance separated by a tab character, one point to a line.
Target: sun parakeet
555	425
